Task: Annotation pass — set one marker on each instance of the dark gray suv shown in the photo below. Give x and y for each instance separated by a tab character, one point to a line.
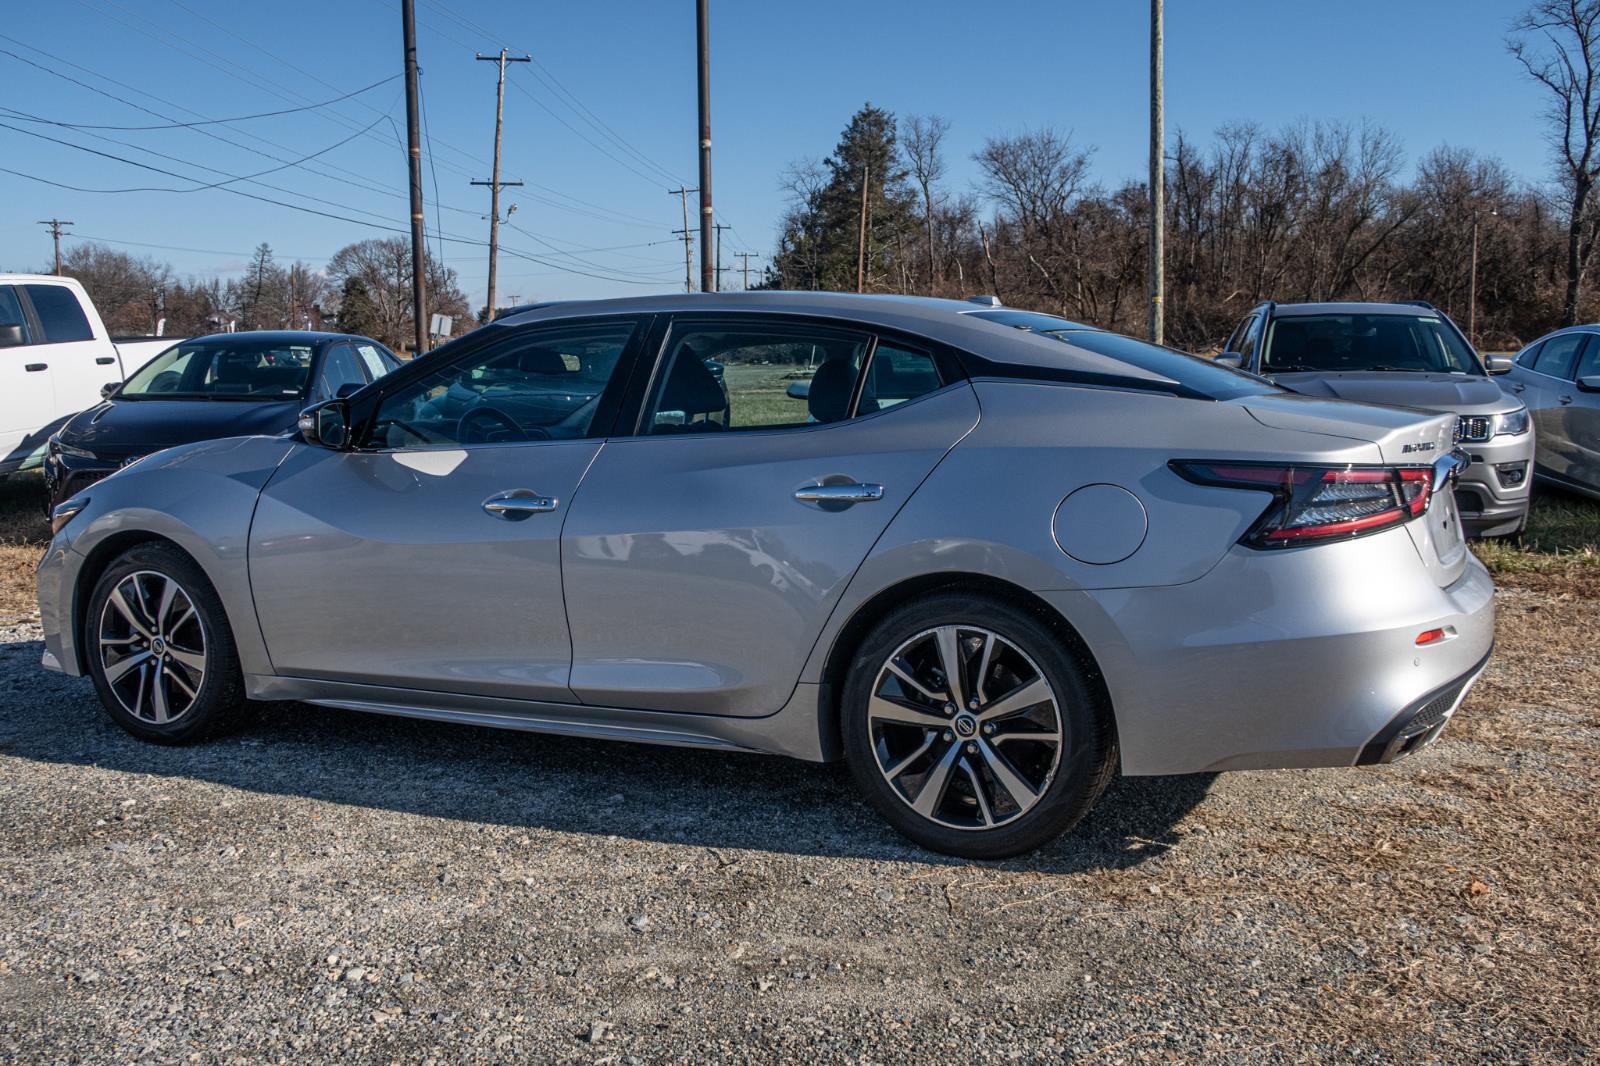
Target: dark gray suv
1404	355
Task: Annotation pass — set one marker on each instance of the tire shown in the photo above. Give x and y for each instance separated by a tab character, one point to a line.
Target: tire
1000	792
168	678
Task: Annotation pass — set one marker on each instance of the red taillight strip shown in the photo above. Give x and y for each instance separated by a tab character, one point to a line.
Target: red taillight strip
1366	523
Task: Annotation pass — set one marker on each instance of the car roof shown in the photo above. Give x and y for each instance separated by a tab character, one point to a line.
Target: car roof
1354	307
995	349
277	336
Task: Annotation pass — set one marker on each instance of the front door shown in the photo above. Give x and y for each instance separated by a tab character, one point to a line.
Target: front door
1583	421
429	558
704	554
27	403
1549	384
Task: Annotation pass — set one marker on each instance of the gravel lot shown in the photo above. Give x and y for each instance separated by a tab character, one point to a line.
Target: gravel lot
320	884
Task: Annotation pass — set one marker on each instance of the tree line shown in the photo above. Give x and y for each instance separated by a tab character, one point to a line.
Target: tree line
364	289
1314	211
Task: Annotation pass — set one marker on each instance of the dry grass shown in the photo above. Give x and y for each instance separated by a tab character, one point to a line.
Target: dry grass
23	536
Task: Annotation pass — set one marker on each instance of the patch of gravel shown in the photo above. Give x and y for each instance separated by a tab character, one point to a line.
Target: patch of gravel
320	885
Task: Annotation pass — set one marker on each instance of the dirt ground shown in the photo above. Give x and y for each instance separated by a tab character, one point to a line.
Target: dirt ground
319	884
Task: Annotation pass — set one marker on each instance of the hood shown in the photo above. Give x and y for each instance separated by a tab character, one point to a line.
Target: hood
1455	393
118	429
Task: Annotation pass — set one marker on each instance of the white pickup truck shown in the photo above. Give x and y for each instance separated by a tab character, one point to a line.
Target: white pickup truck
55	357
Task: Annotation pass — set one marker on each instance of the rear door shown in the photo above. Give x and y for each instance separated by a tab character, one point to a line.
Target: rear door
430	557
79	362
705	552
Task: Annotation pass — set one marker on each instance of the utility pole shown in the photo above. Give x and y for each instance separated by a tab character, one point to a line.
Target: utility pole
1158	177
419	278
708	280
55	225
861	237
719	227
688	238
494	182
746	256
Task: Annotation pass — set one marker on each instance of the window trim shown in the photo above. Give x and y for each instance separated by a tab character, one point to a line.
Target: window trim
613	400
632	422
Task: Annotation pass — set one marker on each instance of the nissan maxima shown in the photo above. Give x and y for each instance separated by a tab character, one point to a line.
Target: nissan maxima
989	567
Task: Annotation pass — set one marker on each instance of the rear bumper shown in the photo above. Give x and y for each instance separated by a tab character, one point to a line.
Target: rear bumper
1421	723
1282	659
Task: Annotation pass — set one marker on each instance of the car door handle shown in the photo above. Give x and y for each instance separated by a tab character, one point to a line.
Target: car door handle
852	492
1519	388
1565	400
105	360
518	504
34	368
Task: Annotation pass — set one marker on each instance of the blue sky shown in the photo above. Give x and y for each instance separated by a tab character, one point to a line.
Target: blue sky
786	77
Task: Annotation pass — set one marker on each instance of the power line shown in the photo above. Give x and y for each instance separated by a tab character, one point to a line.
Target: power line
190	125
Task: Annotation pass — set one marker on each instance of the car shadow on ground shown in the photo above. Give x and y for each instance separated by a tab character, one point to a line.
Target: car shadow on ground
525	780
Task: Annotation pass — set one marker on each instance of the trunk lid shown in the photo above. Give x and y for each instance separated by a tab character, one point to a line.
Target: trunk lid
1404	438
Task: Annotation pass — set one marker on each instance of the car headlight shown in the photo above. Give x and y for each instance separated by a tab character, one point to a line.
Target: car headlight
58	448
1511	423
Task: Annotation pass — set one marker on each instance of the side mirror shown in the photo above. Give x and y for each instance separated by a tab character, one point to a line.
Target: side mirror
1589	383
10	336
1233	359
108	388
349	388
327	424
798	390
1497	364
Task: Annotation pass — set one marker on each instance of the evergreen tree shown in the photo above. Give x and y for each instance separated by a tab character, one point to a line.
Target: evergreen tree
819	246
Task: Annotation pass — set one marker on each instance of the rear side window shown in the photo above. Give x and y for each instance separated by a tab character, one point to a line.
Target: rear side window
1559	355
11	314
1201	375
896	375
59	313
1589	362
757	376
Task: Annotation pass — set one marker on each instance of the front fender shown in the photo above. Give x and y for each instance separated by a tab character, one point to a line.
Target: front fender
200	497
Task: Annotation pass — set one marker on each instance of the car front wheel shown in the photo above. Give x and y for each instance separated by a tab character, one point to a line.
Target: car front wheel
972	728
159	648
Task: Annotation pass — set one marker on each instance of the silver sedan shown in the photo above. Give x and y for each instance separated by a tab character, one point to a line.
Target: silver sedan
986	561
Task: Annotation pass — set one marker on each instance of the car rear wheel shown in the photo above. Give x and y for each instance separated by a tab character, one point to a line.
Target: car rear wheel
159	648
973	729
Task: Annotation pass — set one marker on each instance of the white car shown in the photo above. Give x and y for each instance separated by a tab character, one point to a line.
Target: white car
55	358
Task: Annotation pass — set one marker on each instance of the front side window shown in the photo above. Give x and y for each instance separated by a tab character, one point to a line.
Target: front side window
1250	338
540	383
1558	355
1336	343
719	378
11	319
59	314
378	363
245	369
339	367
1589	362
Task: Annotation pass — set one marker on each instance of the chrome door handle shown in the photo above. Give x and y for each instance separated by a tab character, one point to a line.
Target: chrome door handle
1519	388
518	504
1565	400
849	493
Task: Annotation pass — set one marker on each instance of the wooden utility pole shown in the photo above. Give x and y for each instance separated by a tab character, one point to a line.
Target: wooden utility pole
1158	177
861	236
746	256
688	238
494	182
719	227
55	225
419	268
708	280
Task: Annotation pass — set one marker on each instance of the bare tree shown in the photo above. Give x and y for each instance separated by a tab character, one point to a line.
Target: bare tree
922	138
1558	44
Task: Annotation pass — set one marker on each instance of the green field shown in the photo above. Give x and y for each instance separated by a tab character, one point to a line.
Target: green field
756	394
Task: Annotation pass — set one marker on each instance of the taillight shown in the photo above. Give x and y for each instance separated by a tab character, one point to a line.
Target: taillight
1314	503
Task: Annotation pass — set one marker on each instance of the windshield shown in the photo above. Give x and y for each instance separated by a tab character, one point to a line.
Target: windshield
1418	344
251	370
